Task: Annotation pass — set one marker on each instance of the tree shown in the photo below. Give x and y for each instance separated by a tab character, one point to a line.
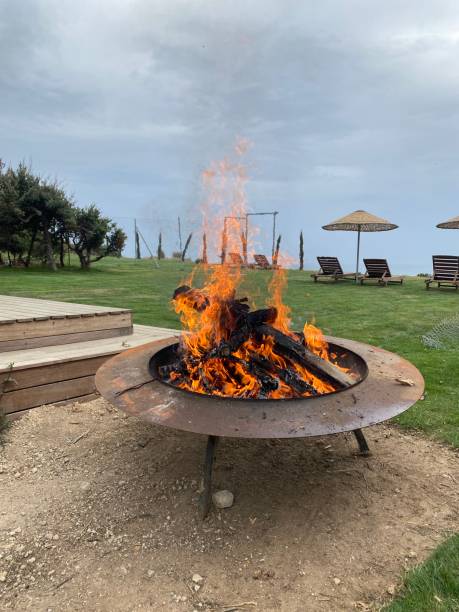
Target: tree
160	252
204	248
15	235
137	241
276	251
244	246
187	244
94	236
224	243
45	206
13	239
30	207
301	252
38	219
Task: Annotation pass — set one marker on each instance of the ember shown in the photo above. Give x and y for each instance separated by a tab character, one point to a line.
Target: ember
230	350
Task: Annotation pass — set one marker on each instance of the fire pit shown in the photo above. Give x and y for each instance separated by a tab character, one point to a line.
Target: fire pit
385	385
241	371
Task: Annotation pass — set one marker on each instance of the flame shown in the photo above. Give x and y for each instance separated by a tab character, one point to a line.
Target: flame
207	319
315	341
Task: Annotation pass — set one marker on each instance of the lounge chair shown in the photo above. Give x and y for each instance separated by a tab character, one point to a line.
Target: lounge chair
235	259
378	271
262	263
445	271
331	268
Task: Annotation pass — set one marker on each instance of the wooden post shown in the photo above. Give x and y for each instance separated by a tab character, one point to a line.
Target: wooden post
358	256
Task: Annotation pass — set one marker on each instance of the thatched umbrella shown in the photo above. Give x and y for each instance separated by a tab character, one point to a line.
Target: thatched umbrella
451	224
360	221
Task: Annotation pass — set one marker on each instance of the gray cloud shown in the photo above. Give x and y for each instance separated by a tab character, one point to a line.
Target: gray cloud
349	105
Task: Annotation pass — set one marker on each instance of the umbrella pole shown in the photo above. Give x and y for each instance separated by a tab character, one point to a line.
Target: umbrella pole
358	255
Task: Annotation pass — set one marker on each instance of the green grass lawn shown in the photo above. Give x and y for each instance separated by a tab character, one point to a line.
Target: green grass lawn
433	586
394	318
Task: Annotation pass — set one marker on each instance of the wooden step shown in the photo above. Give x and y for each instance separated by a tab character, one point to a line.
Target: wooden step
47	375
27	323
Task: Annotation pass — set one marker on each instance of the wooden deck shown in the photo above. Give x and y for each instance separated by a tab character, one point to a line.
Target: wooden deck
52	374
50	351
27	323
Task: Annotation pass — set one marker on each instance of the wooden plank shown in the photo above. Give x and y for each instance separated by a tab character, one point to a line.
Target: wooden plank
54	327
31	343
47	304
16	311
47	394
34	316
54	372
63	373
23	359
15	307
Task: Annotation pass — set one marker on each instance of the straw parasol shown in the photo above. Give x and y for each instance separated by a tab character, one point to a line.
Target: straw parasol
451	224
360	221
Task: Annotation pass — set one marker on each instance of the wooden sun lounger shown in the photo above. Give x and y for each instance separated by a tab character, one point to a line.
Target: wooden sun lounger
378	271
262	263
235	259
445	271
331	268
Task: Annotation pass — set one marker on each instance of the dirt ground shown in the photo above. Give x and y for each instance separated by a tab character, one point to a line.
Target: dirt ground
99	512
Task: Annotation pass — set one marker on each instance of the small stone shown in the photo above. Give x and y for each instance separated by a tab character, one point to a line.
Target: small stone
263	574
15	531
85	485
223	499
34	470
412	554
150	573
336	581
391	589
2	576
197	578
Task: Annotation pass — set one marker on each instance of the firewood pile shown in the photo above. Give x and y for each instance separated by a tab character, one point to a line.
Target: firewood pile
245	355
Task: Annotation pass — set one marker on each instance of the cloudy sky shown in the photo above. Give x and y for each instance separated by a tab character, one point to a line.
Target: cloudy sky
348	105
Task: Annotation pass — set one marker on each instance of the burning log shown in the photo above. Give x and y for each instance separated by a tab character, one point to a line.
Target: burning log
245	328
194	298
266	382
299	353
239	357
289	377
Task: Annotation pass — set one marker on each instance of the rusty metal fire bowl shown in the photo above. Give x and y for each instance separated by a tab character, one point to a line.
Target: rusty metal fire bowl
386	385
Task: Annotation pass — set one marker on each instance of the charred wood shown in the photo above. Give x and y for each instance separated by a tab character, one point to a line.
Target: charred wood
289	377
193	297
325	370
267	382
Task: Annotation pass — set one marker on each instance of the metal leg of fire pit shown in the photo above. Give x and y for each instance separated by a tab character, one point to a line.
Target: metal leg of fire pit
206	495
361	440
